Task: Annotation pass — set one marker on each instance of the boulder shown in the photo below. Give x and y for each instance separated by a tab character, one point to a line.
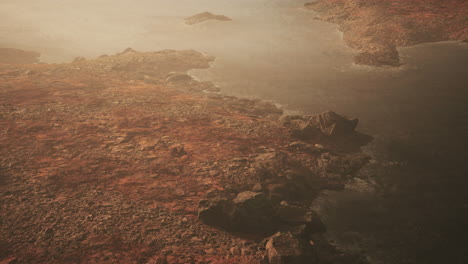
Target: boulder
285	248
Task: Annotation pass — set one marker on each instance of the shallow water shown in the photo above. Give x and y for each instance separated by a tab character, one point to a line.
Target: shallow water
410	205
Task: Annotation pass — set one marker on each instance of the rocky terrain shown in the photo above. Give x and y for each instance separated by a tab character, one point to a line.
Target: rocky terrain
377	27
205	16
127	159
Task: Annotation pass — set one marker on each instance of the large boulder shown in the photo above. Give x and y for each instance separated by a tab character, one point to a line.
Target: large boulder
285	248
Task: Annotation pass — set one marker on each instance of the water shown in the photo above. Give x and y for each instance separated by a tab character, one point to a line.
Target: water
410	204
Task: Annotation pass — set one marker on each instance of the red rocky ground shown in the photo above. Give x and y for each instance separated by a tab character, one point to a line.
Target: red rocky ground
105	161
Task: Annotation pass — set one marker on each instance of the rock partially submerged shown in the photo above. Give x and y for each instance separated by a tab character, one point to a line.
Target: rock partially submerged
205	16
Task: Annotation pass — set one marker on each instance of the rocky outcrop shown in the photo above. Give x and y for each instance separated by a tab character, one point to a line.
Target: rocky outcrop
377	28
327	124
249	212
205	16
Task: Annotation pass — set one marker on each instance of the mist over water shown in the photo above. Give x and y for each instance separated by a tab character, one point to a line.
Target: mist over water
409	205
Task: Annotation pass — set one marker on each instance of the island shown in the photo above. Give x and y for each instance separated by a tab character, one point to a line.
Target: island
205	16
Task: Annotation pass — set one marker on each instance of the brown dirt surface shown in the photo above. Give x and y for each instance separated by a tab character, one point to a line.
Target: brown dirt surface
377	27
